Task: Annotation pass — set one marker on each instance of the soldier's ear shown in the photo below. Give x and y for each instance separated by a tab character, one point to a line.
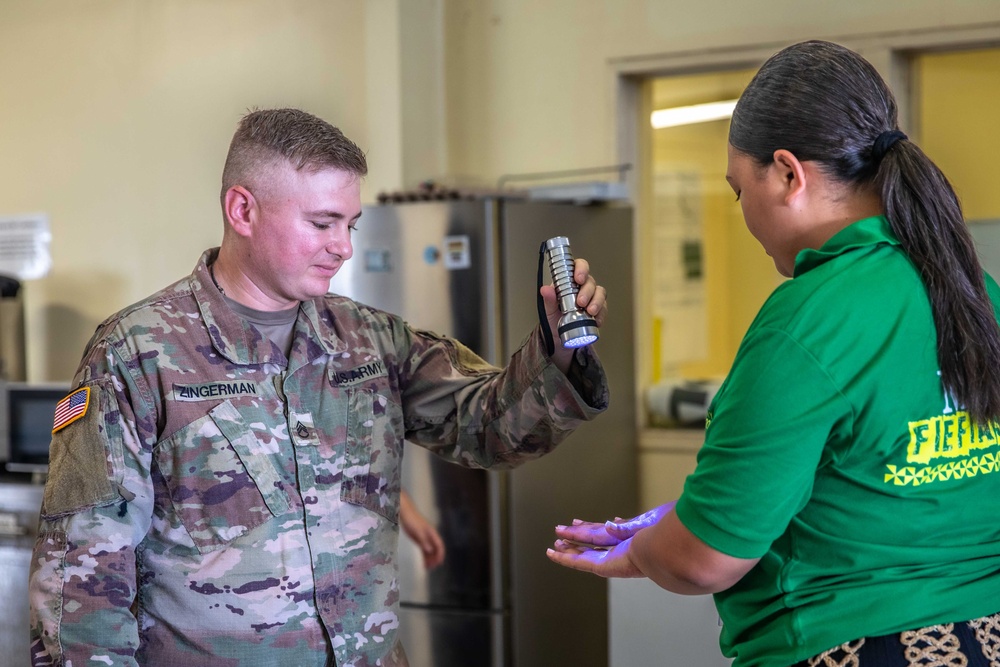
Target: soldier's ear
240	208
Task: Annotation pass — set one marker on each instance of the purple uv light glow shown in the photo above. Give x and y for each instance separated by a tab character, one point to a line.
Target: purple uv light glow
580	341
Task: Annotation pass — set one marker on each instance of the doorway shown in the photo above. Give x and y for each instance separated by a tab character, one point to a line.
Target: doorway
707	275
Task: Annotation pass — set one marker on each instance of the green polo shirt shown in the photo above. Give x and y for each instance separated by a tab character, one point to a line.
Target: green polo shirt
833	455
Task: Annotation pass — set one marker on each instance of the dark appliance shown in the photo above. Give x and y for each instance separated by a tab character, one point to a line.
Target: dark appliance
469	269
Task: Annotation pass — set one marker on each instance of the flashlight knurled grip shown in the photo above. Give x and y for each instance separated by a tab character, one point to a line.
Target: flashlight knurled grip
576	328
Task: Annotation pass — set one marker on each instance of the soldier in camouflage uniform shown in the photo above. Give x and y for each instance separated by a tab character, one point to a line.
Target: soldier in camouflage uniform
225	478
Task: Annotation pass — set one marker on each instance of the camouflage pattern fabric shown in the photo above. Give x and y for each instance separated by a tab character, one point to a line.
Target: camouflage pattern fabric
219	504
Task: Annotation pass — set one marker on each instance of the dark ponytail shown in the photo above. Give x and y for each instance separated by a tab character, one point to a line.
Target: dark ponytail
927	218
826	103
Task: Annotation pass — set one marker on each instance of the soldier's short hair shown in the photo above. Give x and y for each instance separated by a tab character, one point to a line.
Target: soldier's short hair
265	136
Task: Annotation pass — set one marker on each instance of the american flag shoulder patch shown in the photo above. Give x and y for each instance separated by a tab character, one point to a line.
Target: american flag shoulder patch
71	408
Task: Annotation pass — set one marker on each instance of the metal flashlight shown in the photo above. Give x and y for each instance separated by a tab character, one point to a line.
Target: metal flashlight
576	328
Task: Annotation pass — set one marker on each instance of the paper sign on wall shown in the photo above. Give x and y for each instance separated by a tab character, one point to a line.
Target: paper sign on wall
24	246
457	254
679	305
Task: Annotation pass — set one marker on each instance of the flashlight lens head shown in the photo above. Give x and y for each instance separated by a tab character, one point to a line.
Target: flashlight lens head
577	329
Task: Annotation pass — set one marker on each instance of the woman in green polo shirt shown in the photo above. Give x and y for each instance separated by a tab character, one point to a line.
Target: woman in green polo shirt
843	510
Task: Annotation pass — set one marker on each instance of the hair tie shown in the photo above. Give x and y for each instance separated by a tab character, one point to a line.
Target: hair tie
884	142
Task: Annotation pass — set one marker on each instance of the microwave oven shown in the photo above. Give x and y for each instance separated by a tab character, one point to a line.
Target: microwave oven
26	416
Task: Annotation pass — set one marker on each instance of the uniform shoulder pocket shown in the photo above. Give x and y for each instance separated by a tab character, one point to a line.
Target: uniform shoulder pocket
461	357
85	452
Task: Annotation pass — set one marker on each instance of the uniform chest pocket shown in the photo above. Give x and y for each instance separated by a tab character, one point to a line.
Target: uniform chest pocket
373	452
221	483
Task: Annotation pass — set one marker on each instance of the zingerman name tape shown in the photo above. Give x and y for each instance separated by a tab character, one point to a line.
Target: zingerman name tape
210	390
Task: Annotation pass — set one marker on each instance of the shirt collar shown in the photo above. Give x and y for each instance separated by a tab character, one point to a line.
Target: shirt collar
239	342
861	234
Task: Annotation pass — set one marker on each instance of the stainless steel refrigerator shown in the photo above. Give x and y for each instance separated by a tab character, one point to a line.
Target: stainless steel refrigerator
468	269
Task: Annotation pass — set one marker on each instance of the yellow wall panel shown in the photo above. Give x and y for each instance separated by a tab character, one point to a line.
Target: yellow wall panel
958	103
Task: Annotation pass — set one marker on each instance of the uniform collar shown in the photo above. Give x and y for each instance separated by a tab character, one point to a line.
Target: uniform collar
861	234
239	342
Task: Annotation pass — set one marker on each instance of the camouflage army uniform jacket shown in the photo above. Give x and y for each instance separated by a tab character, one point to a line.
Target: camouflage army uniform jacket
219	504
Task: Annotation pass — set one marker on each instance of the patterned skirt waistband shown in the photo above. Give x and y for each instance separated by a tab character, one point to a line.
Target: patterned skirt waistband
975	643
